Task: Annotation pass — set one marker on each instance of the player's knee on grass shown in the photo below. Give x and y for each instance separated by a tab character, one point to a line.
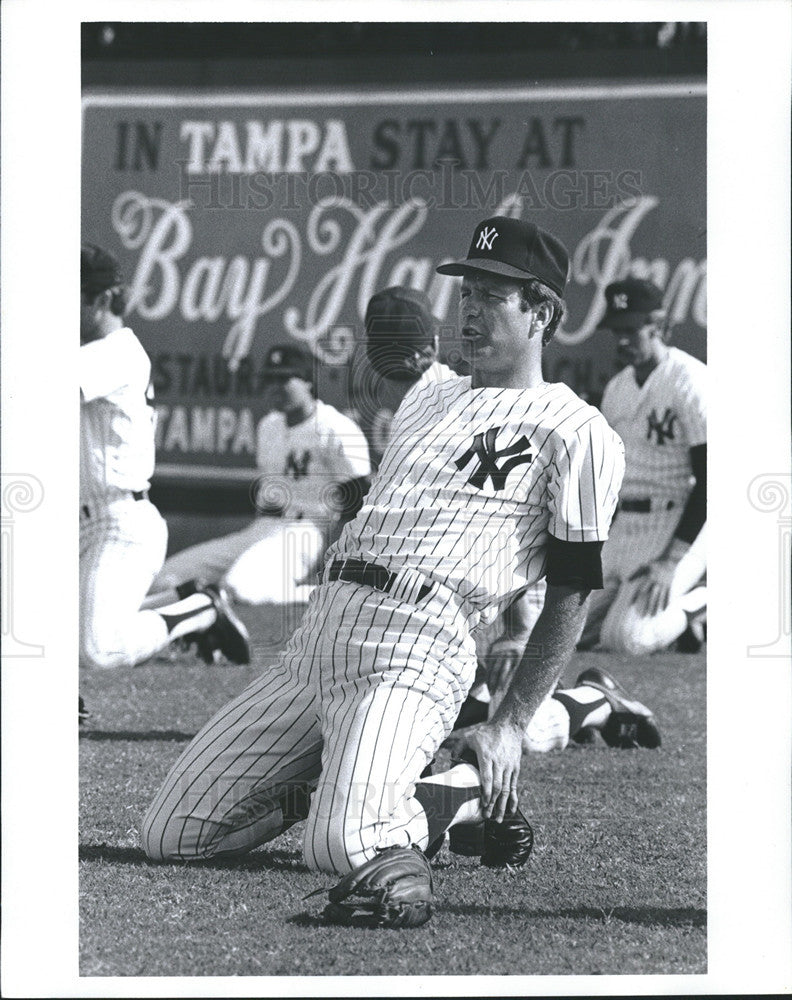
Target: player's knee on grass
173	831
100	649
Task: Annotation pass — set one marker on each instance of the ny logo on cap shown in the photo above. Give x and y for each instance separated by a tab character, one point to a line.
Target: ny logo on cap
620	300
486	236
276	357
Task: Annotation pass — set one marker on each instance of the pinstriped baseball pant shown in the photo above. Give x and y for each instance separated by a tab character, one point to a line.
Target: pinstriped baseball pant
355	707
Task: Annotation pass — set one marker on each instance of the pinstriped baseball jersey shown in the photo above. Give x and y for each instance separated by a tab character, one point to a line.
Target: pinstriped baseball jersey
659	422
300	464
116	418
473	482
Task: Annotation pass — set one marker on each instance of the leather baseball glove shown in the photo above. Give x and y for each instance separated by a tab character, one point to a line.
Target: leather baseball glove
393	889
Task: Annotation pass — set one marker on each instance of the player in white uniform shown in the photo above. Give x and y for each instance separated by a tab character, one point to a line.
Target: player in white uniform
402	344
655	559
122	535
314	469
489	482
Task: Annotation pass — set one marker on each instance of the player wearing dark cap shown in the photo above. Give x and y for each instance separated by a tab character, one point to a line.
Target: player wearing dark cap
655	559
489	482
313	471
401	333
122	535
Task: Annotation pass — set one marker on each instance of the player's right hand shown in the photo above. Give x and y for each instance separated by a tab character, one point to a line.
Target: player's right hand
498	750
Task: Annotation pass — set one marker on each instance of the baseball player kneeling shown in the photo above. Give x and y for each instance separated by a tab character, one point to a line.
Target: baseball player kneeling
655	560
122	534
489	482
402	345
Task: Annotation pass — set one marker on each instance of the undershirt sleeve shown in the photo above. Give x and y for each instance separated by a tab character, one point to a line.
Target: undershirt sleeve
574	564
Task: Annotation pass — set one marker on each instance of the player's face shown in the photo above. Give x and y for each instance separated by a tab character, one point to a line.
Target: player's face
493	325
287	394
636	343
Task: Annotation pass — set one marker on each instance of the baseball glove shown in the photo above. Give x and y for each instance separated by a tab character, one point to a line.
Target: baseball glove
393	889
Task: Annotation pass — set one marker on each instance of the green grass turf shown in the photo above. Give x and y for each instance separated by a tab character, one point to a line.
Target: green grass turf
616	883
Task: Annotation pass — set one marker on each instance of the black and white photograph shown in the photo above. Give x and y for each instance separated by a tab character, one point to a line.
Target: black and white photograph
417	558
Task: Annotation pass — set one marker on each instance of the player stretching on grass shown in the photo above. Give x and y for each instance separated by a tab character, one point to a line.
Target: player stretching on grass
122	535
488	483
313	469
655	559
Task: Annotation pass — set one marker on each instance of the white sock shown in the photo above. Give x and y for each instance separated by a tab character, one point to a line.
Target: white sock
195	613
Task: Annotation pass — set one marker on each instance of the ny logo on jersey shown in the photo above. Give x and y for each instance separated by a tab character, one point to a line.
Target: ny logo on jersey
297	466
662	427
483	448
486	236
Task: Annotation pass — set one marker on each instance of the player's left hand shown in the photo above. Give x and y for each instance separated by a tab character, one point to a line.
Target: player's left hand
498	750
652	595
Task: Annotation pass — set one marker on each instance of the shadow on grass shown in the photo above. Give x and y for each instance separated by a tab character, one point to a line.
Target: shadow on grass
649	916
132	736
286	861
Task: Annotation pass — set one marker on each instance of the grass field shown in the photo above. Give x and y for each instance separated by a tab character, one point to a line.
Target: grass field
616	883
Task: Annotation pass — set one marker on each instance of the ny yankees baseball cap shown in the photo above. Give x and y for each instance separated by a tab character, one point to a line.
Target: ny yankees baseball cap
630	301
288	361
400	314
99	269
517	249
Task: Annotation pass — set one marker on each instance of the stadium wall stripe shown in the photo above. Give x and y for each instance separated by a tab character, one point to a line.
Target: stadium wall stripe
226	98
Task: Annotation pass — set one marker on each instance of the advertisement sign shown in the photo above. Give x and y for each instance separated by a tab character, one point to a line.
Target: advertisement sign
244	220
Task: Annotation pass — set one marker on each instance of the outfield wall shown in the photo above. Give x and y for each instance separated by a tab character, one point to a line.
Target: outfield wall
244	219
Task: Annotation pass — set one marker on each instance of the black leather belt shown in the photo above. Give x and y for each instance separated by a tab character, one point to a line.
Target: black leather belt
370	574
644	506
278	512
135	494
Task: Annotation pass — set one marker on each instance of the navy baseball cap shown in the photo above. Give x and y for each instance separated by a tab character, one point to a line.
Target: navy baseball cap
401	314
99	270
288	361
630	301
514	248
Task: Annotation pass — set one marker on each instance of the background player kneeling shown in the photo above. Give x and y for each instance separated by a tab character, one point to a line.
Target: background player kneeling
122	534
654	562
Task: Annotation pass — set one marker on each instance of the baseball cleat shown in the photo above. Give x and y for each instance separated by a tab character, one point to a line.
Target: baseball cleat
509	843
586	735
228	635
631	724
83	713
467	839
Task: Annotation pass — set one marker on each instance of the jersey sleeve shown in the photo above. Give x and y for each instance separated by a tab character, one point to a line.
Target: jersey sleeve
691	403
348	451
112	363
585	478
